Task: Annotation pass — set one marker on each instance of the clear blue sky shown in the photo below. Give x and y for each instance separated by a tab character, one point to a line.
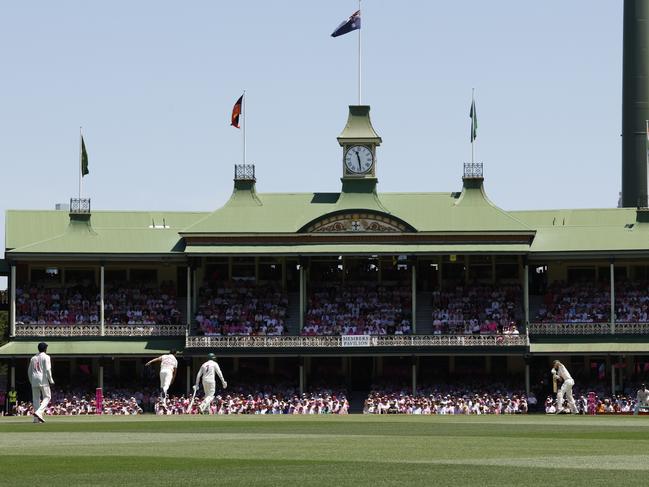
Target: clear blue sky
153	84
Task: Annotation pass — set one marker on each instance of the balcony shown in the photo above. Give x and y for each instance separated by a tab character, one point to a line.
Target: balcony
588	329
401	341
95	330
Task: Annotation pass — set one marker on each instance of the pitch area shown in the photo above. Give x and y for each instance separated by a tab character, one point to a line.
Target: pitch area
326	450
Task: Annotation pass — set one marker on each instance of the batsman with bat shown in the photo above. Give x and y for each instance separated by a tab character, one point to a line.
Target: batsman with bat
560	375
208	371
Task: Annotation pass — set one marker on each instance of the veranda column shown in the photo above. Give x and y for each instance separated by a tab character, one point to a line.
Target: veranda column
527	377
302	295
414	375
612	363
526	293
301	373
102	324
414	298
189	302
194	290
188	378
100	376
612	272
12	313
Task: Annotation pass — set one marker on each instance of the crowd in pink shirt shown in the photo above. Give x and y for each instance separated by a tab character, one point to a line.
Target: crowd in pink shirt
241	308
361	309
477	310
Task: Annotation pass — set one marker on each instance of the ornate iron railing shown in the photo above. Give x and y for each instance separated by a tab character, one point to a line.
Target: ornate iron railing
95	330
245	172
473	170
79	205
588	328
336	341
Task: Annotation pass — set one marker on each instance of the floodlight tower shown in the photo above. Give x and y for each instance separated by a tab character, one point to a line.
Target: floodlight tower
635	103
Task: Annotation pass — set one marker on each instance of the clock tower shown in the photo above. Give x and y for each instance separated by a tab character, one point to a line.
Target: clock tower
359	141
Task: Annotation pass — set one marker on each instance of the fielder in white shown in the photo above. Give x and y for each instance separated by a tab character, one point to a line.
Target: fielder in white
168	367
40	377
208	371
642	399
561	374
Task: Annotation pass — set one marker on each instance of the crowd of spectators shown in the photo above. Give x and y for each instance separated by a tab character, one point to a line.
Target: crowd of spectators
241	308
78	304
578	302
632	302
37	304
78	403
278	400
602	404
447	400
590	302
141	304
477	310
360	309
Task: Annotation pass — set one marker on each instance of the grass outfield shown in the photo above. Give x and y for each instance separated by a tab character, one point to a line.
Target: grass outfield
326	450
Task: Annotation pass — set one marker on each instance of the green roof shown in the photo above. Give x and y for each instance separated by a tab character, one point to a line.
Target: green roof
587	230
249	212
109	232
147	347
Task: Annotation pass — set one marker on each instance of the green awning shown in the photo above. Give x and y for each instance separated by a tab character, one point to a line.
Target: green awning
143	347
591	347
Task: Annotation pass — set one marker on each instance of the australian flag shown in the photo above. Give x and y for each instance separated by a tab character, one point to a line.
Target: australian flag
352	23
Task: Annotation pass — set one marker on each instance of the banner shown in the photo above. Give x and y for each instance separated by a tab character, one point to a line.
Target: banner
355	340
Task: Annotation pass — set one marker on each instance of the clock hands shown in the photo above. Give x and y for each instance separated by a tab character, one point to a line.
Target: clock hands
359	161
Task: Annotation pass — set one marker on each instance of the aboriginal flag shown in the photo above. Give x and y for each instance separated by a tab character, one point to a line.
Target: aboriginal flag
236	112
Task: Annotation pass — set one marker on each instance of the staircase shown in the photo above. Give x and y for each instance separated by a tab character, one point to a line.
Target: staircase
293	320
424	313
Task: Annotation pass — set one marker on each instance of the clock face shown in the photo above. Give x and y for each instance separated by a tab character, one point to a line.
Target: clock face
358	159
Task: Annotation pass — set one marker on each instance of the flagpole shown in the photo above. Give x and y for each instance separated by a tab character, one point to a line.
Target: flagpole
243	111
359	53
80	159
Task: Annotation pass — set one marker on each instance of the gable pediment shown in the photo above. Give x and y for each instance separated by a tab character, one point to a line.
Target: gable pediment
357	222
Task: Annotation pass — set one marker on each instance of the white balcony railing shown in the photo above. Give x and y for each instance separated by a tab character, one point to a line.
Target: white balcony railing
95	330
336	341
588	328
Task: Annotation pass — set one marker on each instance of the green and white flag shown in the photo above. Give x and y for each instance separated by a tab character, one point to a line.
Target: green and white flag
84	159
474	121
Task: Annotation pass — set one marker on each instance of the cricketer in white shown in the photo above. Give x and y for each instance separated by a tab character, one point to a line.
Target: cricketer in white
642	399
168	367
40	377
560	373
207	371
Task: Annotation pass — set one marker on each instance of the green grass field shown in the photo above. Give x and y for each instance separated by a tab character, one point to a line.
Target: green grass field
327	450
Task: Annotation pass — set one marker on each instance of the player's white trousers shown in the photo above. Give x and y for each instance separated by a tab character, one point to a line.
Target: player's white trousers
210	391
165	379
39	392
566	390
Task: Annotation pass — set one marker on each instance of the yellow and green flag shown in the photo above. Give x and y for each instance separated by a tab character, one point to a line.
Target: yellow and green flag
84	159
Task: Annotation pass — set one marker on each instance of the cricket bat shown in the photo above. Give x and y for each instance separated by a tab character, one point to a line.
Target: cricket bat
191	403
554	384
